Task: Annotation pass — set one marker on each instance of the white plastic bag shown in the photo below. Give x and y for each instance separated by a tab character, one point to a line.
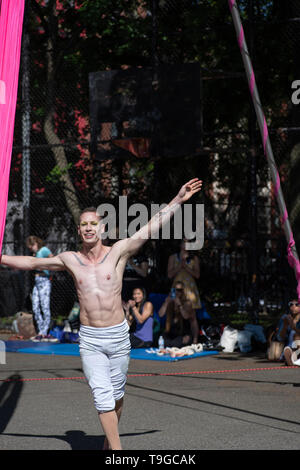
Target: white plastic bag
228	339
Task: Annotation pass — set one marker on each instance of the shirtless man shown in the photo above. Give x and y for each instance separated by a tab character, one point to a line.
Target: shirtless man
97	271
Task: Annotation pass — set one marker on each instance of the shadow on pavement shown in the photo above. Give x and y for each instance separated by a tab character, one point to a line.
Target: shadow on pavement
10	392
78	440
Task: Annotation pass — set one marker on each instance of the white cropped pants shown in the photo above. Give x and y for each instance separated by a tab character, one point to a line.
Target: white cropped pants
105	356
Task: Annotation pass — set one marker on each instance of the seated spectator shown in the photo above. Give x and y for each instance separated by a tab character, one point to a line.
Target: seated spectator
181	323
289	330
139	311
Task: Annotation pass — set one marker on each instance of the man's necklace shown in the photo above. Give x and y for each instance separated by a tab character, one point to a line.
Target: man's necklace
83	264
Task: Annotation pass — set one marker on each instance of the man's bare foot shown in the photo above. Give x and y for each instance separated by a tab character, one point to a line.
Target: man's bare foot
288	356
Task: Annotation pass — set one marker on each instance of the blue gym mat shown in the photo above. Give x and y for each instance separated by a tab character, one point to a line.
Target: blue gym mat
143	354
30	347
72	349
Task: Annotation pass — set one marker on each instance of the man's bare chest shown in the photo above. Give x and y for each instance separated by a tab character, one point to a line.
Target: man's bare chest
94	275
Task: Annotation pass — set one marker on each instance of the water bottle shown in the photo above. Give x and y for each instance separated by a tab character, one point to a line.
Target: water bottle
161	343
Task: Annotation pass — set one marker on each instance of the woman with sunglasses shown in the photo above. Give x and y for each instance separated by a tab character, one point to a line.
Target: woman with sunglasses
289	330
288	321
181	323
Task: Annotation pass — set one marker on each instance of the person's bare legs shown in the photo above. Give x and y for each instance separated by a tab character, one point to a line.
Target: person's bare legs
119	408
110	427
288	356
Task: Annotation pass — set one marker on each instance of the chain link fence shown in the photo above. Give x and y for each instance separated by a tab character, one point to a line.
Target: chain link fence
56	171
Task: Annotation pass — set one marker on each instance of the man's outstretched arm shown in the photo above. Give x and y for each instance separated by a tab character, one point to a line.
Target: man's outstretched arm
134	243
28	263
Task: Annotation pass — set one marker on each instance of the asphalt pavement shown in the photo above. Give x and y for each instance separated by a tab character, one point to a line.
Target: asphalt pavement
222	402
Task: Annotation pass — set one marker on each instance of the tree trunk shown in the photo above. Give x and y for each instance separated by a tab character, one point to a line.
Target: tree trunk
53	139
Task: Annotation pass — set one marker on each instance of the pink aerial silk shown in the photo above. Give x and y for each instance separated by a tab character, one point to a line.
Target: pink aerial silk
11	21
294	263
292	255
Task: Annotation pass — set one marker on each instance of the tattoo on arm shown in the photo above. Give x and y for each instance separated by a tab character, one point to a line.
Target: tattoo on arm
163	216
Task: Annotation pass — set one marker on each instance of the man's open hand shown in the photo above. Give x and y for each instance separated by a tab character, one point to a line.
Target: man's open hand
189	189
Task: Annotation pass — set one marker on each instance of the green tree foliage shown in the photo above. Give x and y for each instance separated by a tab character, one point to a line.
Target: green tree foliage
71	38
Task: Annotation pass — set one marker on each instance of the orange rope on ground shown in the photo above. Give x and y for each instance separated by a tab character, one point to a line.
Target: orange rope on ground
159	374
